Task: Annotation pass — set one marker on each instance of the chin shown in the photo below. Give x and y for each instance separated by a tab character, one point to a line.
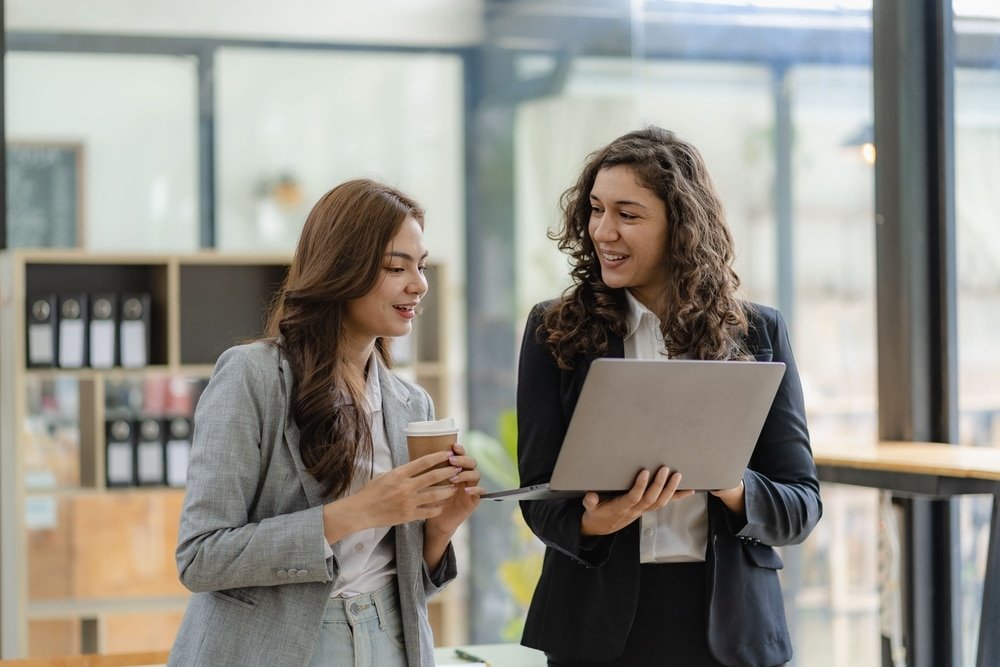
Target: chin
614	282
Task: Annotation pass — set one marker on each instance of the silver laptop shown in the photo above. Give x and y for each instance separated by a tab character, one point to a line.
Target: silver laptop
701	418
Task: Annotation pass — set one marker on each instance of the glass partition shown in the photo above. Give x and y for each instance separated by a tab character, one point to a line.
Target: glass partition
293	123
836	602
132	121
977	216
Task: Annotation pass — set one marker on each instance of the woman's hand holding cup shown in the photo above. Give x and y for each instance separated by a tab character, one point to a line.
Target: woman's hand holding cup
424	438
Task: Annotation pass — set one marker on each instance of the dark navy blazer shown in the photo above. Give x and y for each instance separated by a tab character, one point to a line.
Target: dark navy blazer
586	598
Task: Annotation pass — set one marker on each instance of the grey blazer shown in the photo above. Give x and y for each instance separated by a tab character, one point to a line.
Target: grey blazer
251	545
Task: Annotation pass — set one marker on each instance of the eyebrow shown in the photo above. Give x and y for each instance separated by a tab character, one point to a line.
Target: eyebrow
620	202
404	255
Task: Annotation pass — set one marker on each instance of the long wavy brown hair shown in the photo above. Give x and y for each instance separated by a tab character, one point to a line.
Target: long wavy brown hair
339	257
702	314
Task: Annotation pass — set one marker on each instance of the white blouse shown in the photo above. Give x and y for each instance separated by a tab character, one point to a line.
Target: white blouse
677	532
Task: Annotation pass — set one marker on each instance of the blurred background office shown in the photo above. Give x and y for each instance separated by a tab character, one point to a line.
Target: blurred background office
213	126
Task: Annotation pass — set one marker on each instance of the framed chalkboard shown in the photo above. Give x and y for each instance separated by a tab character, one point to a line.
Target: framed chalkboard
44	189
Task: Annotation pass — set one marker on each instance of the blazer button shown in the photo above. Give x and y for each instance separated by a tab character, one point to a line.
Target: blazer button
282	574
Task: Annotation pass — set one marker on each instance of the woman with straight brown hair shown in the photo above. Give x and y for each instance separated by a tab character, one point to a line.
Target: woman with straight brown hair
656	576
307	536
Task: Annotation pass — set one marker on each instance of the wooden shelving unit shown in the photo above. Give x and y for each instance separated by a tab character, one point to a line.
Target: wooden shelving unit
85	567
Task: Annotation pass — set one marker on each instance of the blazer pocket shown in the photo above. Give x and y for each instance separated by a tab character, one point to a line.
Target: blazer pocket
763	355
763	555
236	596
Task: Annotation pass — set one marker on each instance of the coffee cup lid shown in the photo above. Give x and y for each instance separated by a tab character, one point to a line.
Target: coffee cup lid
439	427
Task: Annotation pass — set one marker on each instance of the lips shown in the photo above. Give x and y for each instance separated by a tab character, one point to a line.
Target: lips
612	257
407	310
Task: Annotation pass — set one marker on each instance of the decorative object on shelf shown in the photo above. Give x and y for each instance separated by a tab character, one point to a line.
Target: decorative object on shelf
278	203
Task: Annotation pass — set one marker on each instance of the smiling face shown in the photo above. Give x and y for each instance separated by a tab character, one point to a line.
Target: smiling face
628	226
389	308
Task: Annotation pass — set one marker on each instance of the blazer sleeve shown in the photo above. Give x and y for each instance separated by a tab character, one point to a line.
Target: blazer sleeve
781	487
541	426
219	547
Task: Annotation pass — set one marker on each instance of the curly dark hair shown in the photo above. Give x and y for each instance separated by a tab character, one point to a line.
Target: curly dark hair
702	314
339	257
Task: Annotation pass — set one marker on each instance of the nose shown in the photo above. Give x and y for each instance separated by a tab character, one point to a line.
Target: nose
603	229
418	285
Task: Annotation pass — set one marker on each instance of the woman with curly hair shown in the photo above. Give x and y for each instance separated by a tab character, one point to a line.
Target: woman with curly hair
658	576
306	536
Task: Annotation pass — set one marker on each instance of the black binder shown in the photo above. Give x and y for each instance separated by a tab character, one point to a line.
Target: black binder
72	324
133	331
42	333
178	450
150	459
103	330
120	453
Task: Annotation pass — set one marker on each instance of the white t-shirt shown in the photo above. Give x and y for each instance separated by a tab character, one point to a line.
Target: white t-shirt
678	532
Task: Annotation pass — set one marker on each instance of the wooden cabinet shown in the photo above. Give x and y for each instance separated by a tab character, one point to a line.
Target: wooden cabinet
87	566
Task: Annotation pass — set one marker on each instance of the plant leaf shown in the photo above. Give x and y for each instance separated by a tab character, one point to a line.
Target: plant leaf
507	430
492	459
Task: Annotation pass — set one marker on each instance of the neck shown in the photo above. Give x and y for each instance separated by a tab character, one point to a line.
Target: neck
359	352
654	301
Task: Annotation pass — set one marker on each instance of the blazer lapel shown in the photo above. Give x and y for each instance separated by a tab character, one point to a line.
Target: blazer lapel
571	391
616	346
312	488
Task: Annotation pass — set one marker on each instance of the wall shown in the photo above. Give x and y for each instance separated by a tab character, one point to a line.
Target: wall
402	22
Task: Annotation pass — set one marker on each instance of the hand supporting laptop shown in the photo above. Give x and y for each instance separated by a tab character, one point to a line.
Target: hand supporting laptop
603	517
733	498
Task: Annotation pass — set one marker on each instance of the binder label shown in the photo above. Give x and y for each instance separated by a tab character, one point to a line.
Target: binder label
119	463
177	461
102	343
150	463
71	337
40	344
133	344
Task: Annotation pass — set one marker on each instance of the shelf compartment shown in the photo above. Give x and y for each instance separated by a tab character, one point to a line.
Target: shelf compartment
129	539
223	305
52	637
58	277
57	442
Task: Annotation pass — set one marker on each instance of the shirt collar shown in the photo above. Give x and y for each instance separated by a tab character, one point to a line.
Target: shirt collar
636	312
373	386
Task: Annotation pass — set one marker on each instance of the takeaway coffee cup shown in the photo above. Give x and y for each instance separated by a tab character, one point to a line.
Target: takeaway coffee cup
423	438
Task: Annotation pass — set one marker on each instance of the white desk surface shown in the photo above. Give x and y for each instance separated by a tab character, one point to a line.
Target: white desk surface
496	655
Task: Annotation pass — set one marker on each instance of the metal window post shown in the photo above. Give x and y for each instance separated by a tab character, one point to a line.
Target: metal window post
914	199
